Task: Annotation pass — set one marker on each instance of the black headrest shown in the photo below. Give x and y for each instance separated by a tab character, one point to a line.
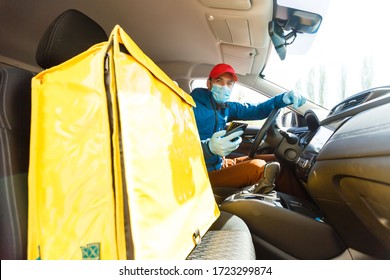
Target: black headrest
70	34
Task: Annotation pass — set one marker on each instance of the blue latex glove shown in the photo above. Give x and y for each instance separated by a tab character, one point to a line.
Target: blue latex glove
223	146
291	97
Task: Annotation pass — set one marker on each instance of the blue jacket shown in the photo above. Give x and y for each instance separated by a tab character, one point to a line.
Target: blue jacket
212	117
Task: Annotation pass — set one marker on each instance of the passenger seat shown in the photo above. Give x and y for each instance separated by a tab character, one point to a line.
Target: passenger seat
15	118
15	109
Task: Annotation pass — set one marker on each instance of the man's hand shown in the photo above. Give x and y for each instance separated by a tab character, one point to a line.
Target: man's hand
294	98
223	146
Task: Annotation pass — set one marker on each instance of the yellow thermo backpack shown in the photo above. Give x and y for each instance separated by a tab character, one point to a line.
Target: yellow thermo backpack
116	166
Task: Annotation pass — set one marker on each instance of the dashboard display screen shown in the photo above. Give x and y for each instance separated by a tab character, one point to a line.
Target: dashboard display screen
318	141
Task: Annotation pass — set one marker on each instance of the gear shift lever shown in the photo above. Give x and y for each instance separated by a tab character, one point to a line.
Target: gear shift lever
267	184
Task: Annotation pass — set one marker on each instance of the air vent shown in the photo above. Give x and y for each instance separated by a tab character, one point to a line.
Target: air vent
350	102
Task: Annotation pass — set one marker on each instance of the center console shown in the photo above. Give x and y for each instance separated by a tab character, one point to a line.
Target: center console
278	199
284	226
275	219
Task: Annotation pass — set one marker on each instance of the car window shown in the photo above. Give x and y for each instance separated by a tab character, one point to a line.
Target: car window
241	94
349	54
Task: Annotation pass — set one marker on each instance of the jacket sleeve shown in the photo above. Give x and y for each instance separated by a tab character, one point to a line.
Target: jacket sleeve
206	150
238	111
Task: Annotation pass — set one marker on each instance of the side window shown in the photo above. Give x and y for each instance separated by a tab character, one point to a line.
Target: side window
241	94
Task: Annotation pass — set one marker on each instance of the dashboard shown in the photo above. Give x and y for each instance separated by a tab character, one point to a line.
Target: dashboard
308	143
312	142
343	161
318	140
320	129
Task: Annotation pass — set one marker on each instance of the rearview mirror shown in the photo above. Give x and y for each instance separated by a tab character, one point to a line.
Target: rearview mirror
303	22
297	22
278	39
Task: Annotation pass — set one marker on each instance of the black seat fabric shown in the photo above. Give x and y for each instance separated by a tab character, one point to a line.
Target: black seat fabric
70	34
228	238
15	108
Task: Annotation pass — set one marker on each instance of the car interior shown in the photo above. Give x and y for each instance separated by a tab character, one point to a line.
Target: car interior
331	199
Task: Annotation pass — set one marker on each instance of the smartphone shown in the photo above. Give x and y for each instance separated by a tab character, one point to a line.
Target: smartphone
233	127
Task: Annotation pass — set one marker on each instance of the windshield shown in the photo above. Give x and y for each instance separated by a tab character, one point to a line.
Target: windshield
348	55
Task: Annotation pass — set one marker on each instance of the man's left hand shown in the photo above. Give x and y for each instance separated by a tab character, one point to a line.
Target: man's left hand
293	98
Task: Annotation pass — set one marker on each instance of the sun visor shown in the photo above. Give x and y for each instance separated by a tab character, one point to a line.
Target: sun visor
231	4
241	58
233	30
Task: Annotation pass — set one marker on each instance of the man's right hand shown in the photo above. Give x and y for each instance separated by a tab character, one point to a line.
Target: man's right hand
223	146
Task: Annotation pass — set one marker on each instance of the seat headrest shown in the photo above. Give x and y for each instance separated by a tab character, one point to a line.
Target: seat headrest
70	34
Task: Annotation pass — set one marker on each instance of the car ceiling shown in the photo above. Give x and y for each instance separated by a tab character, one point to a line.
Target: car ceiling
177	35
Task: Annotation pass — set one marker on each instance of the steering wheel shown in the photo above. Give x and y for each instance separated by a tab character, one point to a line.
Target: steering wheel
271	119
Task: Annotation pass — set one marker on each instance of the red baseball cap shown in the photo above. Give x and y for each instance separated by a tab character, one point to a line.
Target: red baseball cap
221	68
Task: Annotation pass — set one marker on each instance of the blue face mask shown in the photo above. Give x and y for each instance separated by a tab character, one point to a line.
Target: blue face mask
221	94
